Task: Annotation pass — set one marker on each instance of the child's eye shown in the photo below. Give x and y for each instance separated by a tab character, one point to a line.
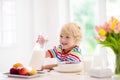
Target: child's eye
61	36
67	37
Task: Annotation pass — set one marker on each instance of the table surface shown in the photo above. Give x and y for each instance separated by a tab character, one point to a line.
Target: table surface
54	75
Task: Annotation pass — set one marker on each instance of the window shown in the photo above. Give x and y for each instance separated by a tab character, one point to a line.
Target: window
7	22
112	7
84	12
89	15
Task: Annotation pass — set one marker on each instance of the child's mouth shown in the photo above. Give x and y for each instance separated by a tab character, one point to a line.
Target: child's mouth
64	44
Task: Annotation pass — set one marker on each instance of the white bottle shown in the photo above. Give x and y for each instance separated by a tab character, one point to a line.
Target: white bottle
37	59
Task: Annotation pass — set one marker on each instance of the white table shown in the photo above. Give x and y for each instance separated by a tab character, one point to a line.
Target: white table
53	75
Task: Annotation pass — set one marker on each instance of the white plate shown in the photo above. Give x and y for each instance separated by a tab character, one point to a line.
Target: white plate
22	76
67	70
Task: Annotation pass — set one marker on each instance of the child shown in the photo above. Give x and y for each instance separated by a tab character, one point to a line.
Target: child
68	50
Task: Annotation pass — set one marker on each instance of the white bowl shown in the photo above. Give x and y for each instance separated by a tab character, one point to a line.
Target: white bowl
69	67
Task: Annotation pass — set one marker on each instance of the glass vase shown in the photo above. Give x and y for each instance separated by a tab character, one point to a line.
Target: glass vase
117	66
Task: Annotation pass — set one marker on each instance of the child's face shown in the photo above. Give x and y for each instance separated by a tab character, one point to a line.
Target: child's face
67	41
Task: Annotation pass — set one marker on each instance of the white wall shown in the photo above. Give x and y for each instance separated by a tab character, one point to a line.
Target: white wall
33	17
49	16
21	51
46	19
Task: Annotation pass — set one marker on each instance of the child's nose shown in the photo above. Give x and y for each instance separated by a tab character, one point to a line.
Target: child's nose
63	39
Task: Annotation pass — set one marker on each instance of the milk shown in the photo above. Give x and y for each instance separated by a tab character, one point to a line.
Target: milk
37	58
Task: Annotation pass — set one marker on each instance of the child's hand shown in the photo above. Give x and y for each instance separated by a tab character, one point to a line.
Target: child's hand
41	40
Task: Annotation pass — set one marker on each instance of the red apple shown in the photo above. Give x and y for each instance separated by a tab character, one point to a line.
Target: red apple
22	71
13	70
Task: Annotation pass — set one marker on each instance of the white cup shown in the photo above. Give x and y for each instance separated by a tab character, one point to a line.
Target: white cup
87	63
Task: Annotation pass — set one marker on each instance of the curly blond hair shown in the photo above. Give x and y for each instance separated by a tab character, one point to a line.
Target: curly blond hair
73	29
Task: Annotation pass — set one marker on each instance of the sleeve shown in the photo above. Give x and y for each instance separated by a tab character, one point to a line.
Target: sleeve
51	55
52	52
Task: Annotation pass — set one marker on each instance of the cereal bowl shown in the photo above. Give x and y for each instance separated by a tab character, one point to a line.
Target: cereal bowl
69	67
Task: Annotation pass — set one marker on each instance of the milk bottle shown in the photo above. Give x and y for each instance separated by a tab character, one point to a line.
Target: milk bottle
38	56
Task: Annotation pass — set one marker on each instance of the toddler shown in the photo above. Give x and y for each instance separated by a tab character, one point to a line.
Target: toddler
68	50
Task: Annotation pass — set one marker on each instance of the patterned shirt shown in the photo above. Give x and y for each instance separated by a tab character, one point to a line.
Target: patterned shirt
70	56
